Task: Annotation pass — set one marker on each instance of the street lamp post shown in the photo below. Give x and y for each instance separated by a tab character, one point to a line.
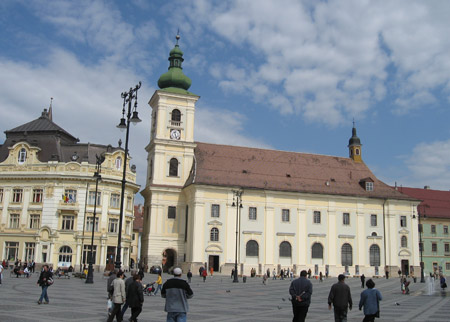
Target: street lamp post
128	97
97	176
422	264
237	202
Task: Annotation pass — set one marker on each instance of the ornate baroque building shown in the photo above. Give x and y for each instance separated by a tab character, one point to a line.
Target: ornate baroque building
47	193
296	210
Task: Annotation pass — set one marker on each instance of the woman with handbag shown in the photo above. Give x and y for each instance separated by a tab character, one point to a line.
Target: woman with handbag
118	297
44	281
370	299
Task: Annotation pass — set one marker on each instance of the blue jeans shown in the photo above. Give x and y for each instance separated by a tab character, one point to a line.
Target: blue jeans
44	294
158	288
176	317
124	308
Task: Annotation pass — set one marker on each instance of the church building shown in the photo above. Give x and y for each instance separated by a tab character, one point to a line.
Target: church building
214	205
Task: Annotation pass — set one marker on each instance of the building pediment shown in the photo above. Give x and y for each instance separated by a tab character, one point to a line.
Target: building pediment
403	231
404	252
214	223
214	249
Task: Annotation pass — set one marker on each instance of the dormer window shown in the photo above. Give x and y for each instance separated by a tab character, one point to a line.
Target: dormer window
22	156
118	163
367	184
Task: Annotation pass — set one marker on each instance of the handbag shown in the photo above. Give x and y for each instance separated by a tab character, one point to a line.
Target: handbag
50	281
109	305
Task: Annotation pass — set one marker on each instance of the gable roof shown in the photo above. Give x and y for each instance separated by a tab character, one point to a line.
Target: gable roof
252	168
435	203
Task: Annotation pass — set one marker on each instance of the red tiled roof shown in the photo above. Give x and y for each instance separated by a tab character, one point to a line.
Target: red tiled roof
252	168
138	223
435	203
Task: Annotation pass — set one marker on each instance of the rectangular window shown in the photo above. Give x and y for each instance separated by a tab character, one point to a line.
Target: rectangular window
215	211
172	212
14	220
445	230
12	250
29	251
113	225
447	266
90	223
35	221
433	229
317	217
133	237
402	221
434	247
67	222
447	248
114	201
129	203
285	215
70	196
346	218
86	251
373	220
17	195
37	195
1	195
252	213
91	198
369	186
128	227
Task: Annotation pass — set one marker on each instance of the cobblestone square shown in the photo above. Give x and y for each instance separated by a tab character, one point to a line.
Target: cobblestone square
218	299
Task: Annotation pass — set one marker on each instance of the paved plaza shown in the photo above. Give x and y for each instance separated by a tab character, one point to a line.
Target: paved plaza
216	300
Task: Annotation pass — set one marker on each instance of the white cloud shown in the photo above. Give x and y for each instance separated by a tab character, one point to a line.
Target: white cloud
341	50
429	164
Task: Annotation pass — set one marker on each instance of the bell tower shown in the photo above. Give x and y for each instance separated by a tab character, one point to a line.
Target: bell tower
354	146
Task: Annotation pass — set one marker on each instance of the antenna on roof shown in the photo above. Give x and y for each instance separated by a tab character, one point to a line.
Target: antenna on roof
50	110
178	35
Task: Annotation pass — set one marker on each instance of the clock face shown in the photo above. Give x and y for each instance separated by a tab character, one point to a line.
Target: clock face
175	134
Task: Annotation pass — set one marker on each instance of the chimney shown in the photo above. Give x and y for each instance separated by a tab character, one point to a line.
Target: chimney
427	187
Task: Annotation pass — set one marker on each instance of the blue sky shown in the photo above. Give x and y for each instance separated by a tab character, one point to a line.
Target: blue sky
285	75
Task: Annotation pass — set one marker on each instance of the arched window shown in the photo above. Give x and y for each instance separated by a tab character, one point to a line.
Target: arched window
252	248
65	254
118	163
173	168
317	250
346	255
374	234
176	115
374	255
22	156
404	241
214	234
285	249
357	151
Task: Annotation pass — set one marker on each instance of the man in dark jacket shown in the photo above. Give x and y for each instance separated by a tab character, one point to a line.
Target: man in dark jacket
135	297
301	291
128	282
176	291
341	298
44	281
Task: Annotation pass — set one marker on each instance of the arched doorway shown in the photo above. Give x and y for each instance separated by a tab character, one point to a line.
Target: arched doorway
168	259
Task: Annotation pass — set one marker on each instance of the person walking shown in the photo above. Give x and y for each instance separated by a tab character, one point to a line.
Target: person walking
189	276
309	273
300	291
363	279
204	274
128	282
370	299
118	297
264	279
341	298
176	291
44	281
268	273
1	271
442	281
135	297
274	274
321	277
158	284
211	271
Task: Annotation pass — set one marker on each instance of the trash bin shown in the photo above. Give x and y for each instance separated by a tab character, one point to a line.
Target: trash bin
244	279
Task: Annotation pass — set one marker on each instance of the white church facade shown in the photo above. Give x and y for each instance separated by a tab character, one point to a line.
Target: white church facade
209	204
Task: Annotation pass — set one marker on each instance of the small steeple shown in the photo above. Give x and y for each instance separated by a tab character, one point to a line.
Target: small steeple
354	146
175	80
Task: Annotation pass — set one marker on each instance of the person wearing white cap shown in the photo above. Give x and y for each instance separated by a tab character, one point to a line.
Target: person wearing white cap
176	291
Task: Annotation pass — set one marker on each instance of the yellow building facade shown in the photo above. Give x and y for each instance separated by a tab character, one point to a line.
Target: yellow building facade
47	196
214	205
